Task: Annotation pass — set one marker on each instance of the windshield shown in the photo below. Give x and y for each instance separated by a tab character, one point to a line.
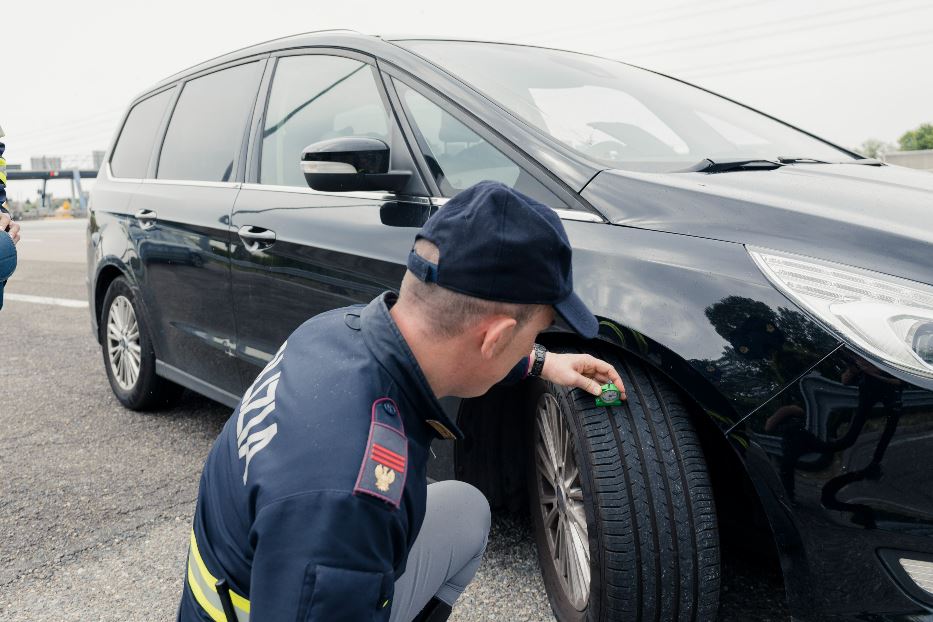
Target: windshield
616	114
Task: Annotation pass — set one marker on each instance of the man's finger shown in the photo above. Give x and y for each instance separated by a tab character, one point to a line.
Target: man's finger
607	371
589	385
604	367
616	379
610	375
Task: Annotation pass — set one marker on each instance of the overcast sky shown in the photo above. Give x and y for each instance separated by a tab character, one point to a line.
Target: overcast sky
846	70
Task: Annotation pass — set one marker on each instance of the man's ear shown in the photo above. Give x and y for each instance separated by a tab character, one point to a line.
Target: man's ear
498	334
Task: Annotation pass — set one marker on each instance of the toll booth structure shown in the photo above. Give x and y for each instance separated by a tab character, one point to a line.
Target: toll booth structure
76	175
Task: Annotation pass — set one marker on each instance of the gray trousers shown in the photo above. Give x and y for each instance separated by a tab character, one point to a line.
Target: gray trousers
446	552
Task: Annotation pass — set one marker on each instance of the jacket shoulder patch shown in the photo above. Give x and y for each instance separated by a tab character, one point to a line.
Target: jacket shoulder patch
385	462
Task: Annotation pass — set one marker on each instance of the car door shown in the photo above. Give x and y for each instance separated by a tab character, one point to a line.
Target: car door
185	213
297	252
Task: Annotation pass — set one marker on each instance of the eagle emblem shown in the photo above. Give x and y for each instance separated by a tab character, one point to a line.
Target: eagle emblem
384	477
382	473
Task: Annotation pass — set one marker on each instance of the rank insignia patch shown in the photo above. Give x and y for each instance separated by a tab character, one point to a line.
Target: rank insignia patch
387	457
384	477
385	463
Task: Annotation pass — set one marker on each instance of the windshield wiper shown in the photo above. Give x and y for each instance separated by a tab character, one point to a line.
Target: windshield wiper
709	165
724	166
788	160
863	161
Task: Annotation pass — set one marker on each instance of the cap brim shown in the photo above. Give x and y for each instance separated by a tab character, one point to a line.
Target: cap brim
577	316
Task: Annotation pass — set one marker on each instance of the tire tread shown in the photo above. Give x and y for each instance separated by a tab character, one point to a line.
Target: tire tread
656	530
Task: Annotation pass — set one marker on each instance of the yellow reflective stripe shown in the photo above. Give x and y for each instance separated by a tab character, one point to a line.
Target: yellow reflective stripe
238	601
211	610
211	580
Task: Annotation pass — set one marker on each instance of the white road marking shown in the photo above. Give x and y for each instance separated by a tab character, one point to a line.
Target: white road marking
44	300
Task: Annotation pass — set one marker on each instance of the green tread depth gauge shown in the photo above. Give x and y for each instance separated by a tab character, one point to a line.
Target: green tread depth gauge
609	396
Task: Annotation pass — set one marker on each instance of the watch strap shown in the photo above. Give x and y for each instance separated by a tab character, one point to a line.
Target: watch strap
537	365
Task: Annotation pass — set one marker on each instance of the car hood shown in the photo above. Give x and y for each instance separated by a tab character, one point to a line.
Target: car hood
875	217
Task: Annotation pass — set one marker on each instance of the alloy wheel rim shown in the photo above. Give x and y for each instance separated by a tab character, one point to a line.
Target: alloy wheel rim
560	496
123	342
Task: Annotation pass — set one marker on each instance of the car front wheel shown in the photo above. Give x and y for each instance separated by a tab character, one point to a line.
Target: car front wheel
621	504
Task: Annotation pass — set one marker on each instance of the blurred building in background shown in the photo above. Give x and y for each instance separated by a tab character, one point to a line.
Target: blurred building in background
921	159
45	163
83	161
72	169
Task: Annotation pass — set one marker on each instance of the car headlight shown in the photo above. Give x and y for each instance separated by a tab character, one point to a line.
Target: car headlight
886	316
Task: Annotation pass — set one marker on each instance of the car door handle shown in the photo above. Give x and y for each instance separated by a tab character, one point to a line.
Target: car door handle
146	218
256	238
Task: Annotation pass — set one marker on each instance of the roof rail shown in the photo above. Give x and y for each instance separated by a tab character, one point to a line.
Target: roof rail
246	47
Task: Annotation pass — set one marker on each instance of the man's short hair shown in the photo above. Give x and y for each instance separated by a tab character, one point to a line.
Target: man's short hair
448	312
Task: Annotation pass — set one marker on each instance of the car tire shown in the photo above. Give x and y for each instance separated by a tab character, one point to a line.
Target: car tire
636	477
127	350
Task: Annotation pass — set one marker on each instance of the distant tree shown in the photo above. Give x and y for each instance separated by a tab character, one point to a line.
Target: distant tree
920	138
874	148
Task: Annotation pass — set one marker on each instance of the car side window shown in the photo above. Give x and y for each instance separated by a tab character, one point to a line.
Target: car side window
459	157
208	124
134	147
313	98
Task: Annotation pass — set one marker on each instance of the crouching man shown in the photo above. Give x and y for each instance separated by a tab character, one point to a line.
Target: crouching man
313	503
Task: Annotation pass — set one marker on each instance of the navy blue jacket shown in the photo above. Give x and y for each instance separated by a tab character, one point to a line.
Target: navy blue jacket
288	509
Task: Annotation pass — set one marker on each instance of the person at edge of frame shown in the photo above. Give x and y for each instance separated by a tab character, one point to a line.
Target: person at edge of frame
9	230
313	502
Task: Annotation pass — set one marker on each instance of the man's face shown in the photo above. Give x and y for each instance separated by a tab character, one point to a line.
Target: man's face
493	370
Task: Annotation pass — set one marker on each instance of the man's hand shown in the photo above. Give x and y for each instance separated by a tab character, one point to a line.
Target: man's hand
581	370
6	221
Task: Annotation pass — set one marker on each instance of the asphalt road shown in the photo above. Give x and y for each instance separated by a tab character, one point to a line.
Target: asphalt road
96	501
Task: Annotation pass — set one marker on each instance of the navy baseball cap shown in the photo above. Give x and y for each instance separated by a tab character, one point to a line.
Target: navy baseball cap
498	244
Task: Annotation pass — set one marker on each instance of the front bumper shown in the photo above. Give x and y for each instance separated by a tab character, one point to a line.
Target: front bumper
843	461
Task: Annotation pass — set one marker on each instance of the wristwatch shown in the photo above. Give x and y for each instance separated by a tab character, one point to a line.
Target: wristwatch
538	352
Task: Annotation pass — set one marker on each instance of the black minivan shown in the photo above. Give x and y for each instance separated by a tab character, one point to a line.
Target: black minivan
766	295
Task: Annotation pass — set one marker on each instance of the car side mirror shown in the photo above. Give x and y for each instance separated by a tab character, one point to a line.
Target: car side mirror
350	163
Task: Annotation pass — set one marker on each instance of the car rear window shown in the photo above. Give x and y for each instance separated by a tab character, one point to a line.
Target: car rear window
131	153
208	124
